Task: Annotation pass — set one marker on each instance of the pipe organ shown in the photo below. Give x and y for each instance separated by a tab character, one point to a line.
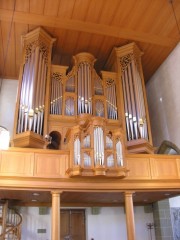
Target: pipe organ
97	150
99	117
126	61
31	105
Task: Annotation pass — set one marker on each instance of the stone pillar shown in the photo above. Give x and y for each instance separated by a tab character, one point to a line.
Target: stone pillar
162	220
129	215
55	215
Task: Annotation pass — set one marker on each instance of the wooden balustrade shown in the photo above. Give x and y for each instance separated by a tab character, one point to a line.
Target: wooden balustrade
50	166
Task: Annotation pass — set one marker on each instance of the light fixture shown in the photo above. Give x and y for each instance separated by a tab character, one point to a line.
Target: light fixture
4	138
35	194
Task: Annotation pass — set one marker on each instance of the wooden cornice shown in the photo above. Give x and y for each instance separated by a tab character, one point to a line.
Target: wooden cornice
76	25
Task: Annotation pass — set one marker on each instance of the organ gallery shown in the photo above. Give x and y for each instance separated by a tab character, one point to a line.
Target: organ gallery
97	116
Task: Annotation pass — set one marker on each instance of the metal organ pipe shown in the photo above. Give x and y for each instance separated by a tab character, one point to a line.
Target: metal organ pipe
133	100
27	99
22	97
36	106
115	102
77	151
79	91
125	106
141	114
56	94
87	141
31	112
84	88
111	100
119	153
98	146
129	105
89	90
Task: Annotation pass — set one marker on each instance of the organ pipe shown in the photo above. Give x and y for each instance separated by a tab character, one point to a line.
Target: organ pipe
84	88
77	151
119	154
56	94
98	146
111	99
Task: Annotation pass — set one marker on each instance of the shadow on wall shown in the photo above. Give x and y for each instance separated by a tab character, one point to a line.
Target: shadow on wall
169	148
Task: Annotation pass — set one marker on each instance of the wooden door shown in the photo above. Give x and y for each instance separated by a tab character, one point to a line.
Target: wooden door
72	224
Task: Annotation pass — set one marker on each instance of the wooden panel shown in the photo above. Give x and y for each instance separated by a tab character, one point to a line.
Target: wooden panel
129	20
139	168
108	11
64	224
50	165
66	8
164	168
77	224
80	9
73	224
22	6
17	164
7	4
94	10
51	9
8	48
178	165
37	8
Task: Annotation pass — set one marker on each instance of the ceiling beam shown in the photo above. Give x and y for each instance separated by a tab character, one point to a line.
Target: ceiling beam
94	28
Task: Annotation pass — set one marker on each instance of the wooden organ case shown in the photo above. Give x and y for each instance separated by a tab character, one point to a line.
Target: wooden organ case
99	117
32	100
126	61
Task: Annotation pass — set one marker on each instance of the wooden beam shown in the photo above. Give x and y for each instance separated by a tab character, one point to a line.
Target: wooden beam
94	28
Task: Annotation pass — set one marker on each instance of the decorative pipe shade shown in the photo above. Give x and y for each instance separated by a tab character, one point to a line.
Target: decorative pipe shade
4	138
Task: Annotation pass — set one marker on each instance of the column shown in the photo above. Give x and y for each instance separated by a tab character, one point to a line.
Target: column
55	215
129	215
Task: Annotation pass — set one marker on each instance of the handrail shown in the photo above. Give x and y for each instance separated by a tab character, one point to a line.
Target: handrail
14	228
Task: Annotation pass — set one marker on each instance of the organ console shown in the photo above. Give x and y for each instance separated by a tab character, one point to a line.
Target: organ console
100	116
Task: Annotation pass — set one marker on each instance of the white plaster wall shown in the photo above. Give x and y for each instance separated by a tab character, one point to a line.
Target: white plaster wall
163	94
33	221
8	95
109	224
174	202
141	219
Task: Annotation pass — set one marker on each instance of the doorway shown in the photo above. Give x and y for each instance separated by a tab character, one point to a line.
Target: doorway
73	224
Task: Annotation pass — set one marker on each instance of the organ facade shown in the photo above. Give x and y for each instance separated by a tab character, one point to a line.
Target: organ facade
99	117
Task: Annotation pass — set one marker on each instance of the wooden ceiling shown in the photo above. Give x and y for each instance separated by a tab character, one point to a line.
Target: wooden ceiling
80	199
94	26
91	26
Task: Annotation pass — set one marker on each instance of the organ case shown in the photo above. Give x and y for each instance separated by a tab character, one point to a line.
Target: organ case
126	61
99	117
33	94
